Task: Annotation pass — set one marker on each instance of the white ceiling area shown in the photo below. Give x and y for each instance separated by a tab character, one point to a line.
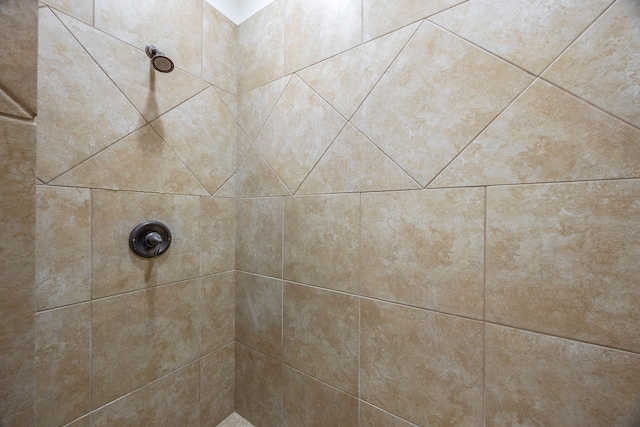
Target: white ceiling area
239	10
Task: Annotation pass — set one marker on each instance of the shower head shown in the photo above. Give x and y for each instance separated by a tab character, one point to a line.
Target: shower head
159	60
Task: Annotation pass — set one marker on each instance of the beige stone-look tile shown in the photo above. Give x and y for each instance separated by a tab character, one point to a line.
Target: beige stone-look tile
235	420
370	416
383	16
255	106
602	65
346	79
230	101
175	28
11	108
63	246
79	9
19	47
202	133
423	366
217	235
80	110
563	259
217	378
537	380
259	313
425	248
62	364
217	311
255	178
322	241
228	189
151	92
242	147
353	163
259	387
115	268
547	135
338	24
141	336
310	403
81	422
259	236
320	335
168	402
423	112
528	33
301	127
261	47
17	271
219	49
120	167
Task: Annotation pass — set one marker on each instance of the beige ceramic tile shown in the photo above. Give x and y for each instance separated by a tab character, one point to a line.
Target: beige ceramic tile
259	313
171	401
299	116
322	241
535	379
120	167
219	49
423	366
202	133
425	248
345	80
320	335
175	28
528	33
563	259
70	81
151	92
255	106
561	139
370	416
217	311
217	235
217	375
337	24
433	109
62	364
115	268
261	47
11	108
228	189
17	271
259	236
81	422
310	403
19	47
235	420
258	387
230	101
242	147
353	163
602	65
79	9
255	178
383	16
140	336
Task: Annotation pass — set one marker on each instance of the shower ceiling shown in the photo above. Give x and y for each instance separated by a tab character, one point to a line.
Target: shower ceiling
239	10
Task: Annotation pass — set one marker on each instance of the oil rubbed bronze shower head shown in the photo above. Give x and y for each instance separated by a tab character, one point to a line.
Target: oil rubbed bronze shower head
159	60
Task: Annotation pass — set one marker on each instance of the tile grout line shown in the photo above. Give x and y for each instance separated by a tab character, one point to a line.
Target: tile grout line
484	315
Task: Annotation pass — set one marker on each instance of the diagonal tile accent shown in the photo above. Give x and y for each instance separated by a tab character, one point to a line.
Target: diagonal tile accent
528	33
254	106
346	79
140	162
255	178
202	133
602	66
427	108
242	147
228	189
79	9
547	135
80	111
299	130
152	93
354	164
230	100
10	107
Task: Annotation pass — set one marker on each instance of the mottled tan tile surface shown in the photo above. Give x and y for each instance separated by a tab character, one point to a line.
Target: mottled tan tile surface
217	311
370	416
563	259
602	65
255	178
535	379
255	106
63	246
81	422
235	420
228	189
230	100
424	112
79	9
217	235
425	367
219	49
9	107
217	377
62	364
425	248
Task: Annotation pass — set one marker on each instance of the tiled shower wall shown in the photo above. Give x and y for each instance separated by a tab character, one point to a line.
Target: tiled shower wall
438	213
